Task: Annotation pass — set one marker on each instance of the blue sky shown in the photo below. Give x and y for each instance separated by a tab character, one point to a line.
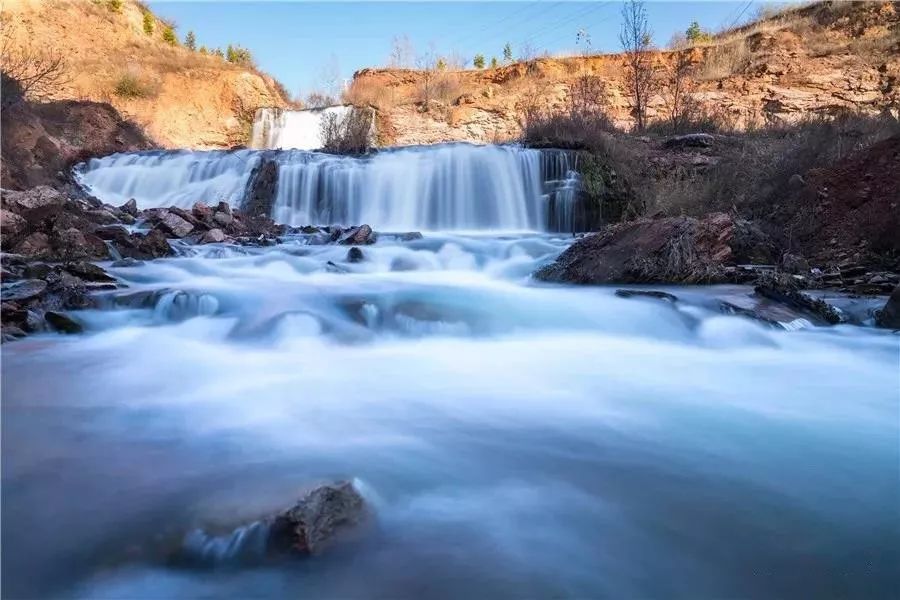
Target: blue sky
299	42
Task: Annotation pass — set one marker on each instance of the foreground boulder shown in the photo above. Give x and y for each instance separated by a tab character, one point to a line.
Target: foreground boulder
317	520
889	316
667	250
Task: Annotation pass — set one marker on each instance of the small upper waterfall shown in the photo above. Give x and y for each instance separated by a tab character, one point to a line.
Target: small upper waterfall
442	187
274	128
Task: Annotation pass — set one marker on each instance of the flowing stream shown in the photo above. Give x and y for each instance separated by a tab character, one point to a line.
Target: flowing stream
293	129
515	439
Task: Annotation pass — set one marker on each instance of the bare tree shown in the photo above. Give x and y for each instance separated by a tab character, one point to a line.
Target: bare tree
402	53
427	64
636	38
351	134
681	108
28	71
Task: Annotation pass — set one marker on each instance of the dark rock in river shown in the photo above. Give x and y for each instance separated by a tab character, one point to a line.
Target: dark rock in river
787	292
317	518
62	322
355	255
130	207
261	190
655	294
889	316
358	236
674	249
24	290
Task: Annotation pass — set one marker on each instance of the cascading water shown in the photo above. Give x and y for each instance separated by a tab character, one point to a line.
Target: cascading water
443	187
164	178
274	128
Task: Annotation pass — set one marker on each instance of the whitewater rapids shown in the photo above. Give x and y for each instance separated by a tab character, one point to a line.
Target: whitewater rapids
515	439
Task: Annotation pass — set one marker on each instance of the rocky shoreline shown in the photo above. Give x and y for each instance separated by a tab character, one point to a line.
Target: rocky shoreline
714	250
49	240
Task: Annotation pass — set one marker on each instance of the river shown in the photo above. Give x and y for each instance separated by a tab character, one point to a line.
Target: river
515	439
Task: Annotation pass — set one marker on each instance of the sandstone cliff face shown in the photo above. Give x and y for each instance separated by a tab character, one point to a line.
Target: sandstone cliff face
184	99
817	59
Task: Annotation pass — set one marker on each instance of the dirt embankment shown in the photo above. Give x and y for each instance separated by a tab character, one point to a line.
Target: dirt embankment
814	60
179	97
42	141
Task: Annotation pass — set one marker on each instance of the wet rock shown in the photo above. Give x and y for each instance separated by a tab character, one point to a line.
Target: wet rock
26	289
102	216
223	219
127	262
144	247
786	292
62	322
355	255
656	294
174	224
667	250
35	203
317	519
35	244
309	229
88	272
404	263
112	233
409	236
358	236
889	316
331	267
73	244
38	270
213	236
261	190
224	207
9	333
201	211
130	208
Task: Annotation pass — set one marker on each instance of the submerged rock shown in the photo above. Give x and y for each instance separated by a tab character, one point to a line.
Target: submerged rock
656	294
317	518
786	292
355	255
310	526
62	322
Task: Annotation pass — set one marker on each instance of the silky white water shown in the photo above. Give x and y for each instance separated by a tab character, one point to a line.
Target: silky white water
515	439
442	187
293	129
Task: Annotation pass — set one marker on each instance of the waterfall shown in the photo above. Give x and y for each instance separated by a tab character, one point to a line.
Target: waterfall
162	178
274	128
442	187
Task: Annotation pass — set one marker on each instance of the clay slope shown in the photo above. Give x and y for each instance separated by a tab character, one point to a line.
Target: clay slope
181	98
819	58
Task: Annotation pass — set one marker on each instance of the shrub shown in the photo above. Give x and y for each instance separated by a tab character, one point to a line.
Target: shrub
317	99
149	23
494	62
478	61
695	35
239	56
169	36
114	5
129	86
350	135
